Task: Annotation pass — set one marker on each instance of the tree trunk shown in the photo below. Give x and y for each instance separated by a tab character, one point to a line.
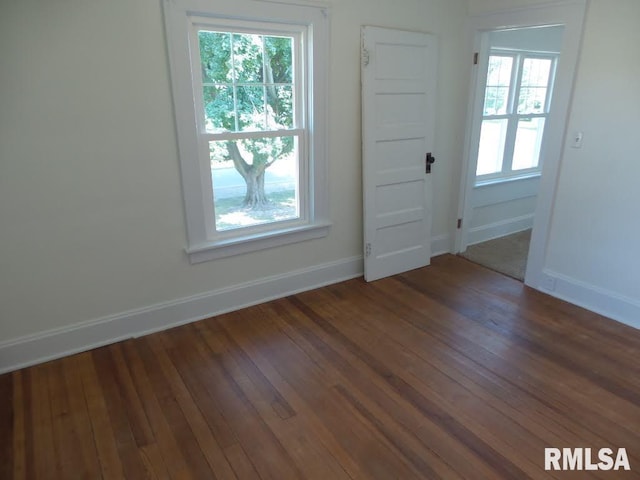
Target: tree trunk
253	175
255	197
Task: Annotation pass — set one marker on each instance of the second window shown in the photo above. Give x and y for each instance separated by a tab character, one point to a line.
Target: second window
516	105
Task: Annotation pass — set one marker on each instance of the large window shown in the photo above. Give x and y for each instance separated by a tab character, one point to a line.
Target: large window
250	94
250	98
516	105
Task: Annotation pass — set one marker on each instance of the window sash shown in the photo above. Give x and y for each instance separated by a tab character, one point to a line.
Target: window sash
253	134
299	45
512	116
304	185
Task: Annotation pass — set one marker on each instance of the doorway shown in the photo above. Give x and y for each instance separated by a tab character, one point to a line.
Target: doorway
516	77
521	86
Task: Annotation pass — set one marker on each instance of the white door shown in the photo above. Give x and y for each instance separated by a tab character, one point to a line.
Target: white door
398	119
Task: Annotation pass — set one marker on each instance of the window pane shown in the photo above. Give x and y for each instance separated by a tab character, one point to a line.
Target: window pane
247	58
535	72
279	55
215	56
528	141
497	89
495	100
499	73
250	105
279	80
280	107
534	85
270	191
532	100
218	109
491	150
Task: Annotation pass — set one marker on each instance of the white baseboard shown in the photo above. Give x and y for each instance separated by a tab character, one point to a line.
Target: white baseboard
605	302
441	244
499	229
52	344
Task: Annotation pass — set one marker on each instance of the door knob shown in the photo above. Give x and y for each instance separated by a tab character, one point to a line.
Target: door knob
429	159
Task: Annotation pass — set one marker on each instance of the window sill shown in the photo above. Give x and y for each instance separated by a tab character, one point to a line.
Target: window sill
495	181
251	243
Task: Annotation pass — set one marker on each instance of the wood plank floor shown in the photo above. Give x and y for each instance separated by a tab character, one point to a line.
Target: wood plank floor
451	371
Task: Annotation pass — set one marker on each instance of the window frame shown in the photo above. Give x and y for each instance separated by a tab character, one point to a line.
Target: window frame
513	117
183	19
299	131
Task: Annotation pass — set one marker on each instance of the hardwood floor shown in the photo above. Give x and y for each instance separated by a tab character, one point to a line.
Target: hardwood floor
450	372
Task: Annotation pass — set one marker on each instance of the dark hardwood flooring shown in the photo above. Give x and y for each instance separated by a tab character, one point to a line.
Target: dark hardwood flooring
451	371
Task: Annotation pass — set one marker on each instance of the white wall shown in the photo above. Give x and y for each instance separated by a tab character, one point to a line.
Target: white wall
596	227
593	243
502	208
542	39
91	215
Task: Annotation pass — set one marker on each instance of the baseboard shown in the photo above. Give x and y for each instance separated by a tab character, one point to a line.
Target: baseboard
605	302
441	244
41	347
499	229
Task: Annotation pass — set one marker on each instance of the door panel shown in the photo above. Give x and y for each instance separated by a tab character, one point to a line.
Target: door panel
398	98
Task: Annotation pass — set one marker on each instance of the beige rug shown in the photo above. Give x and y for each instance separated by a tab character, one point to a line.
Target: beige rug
507	255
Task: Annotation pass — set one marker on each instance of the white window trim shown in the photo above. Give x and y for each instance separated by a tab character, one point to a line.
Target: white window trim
508	174
203	243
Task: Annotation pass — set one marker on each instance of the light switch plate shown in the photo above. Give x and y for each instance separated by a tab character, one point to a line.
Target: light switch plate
577	140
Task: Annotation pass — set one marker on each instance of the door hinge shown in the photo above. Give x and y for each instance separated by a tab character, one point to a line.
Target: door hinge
367	250
459	223
365	57
475	58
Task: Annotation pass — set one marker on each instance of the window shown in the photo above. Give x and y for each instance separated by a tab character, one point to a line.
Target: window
249	87
249	92
516	105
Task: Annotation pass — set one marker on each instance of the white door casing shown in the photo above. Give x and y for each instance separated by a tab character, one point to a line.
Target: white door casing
398	123
571	15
